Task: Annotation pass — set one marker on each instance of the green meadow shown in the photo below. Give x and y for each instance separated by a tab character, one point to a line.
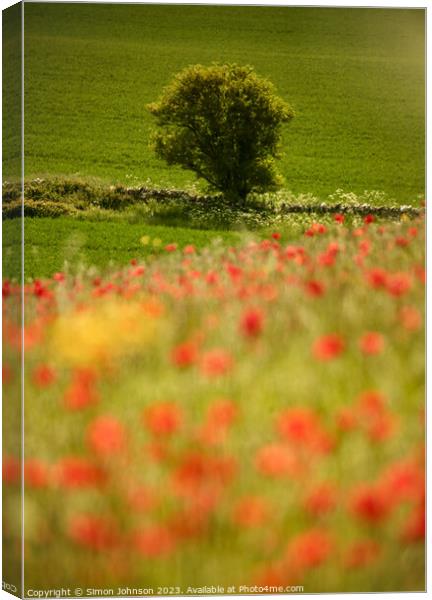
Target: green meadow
355	78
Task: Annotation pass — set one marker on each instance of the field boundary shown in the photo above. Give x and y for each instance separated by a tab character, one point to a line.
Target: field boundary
55	197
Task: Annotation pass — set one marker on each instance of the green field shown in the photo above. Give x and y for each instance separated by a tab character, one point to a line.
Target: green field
51	242
355	78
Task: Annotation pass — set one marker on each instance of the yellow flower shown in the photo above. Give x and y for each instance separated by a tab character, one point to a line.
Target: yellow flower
106	330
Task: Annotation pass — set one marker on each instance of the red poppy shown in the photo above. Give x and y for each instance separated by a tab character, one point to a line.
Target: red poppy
321	499
398	284
298	425
216	362
310	549
277	460
11	469
43	376
404	480
339	218
106	436
314	288
372	342
369	219
410	318
197	472
94	532
185	354
164	418
81	392
377	277
154	541
251	511
276	236
329	346
362	554
252	322
78	472
414	529
370	503
171	247
36	473
189	249
222	413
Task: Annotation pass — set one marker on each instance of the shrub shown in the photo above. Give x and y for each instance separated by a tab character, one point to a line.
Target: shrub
224	123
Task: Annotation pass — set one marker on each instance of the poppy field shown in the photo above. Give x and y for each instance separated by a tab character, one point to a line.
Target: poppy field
226	416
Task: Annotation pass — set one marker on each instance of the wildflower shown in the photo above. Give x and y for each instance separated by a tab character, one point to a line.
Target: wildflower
94	532
401	241
185	354
252	322
222	413
362	553
329	346
189	249
377	277
321	499
371	403
410	318
277	460
404	480
81	392
78	472
35	473
234	272
370	503
315	228
6	288
251	511
297	425
398	284
276	236
216	362
43	376
106	436
310	549
154	541
197	472
372	342
414	528
369	219
11	470
59	277
314	288
339	218
164	418
301	426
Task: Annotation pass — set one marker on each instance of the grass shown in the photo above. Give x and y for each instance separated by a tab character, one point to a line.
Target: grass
355	78
51	242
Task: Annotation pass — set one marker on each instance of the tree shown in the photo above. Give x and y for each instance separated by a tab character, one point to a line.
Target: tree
224	123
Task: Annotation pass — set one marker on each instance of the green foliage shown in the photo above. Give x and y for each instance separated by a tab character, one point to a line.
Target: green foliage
224	123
